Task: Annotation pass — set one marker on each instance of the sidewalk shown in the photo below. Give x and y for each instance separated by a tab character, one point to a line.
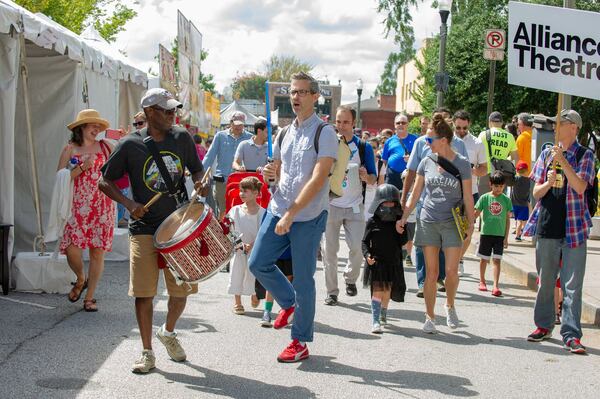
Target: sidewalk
519	262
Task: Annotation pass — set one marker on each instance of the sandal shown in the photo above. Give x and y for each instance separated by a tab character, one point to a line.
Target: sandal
77	290
238	309
254	301
89	305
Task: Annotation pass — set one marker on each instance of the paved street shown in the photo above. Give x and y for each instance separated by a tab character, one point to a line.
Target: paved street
61	352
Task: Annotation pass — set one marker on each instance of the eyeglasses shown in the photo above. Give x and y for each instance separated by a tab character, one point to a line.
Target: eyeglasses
166	111
430	140
401	123
301	93
138	124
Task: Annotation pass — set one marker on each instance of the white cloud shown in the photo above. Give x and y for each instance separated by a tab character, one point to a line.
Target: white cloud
343	39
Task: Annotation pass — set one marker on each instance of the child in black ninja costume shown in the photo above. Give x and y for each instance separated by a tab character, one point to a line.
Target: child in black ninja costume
382	249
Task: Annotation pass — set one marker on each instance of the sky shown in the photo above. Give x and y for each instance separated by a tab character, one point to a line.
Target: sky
343	39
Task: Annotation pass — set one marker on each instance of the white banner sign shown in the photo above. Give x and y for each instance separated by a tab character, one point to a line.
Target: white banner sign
555	49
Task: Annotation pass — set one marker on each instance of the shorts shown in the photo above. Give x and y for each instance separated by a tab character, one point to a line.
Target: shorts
144	271
285	265
437	234
410	230
521	212
489	244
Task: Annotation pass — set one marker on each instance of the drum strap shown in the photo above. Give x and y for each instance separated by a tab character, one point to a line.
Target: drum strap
162	168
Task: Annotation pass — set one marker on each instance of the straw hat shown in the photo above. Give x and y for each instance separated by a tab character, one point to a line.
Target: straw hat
88	116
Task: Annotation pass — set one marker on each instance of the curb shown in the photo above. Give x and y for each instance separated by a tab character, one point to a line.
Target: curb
590	313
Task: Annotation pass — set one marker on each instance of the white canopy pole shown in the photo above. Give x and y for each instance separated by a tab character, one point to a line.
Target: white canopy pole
39	239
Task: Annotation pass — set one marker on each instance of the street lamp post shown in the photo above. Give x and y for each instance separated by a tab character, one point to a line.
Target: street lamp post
359	89
321	102
441	78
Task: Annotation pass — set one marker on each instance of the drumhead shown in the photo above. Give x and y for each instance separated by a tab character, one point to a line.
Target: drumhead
174	229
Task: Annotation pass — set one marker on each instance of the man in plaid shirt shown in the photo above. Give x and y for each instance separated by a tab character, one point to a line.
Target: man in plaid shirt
561	222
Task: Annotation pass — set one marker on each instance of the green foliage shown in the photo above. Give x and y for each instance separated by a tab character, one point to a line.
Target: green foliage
250	86
414	126
280	68
76	15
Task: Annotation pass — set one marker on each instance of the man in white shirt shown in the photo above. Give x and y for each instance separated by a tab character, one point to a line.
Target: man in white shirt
348	210
477	157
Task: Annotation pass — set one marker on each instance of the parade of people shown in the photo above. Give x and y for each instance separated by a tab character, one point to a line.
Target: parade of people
290	215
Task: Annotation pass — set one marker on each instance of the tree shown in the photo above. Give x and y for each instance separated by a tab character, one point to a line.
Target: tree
469	72
76	15
280	68
389	78
250	86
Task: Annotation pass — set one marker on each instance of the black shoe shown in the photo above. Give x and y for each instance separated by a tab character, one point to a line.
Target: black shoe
420	293
331	300
440	286
351	289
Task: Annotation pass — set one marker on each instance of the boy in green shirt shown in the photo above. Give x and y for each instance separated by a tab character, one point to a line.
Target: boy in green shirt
495	208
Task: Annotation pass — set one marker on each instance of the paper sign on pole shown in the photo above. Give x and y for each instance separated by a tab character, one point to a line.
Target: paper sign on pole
555	49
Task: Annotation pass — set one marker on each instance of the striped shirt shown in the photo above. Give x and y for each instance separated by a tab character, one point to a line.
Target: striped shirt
578	221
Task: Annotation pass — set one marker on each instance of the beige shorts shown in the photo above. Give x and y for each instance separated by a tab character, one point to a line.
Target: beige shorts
144	271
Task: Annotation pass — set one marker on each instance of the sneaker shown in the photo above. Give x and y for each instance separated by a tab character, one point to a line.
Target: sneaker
574	346
539	335
331	300
283	318
429	326
420	293
293	353
377	329
451	317
408	261
557	320
518	239
145	363
351	289
440	286
172	344
461	268
266	319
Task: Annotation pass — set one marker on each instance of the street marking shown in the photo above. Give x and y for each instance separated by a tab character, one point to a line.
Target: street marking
29	303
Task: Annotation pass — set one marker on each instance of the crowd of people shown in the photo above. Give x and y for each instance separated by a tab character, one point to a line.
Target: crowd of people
407	199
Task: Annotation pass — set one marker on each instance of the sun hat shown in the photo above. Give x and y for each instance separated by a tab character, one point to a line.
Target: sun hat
88	116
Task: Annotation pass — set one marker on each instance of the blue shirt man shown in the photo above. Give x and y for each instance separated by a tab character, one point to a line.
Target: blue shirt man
223	148
397	150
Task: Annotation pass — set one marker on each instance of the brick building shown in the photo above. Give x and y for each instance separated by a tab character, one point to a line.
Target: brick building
377	113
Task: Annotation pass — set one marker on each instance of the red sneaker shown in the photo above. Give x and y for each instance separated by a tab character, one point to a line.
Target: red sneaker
283	318
293	353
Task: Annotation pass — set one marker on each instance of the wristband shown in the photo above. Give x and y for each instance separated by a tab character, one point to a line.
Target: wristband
81	168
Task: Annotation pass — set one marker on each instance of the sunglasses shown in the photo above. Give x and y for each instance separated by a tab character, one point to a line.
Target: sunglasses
138	124
166	111
430	140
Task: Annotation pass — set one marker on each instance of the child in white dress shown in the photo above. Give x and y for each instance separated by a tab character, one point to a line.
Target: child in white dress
246	222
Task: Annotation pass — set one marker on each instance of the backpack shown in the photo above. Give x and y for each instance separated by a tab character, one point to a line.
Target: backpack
340	166
591	192
506	167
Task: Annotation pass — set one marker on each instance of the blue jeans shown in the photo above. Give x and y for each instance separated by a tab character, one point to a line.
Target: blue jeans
420	266
547	262
121	210
303	239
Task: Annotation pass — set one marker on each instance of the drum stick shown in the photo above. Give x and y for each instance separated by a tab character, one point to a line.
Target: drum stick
196	193
152	200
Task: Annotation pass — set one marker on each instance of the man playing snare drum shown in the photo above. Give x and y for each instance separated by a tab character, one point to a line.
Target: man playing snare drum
132	156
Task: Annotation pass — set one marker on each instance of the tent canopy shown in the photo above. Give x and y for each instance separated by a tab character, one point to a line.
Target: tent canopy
228	111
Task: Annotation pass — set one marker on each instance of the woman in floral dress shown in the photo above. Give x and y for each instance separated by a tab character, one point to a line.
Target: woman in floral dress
92	221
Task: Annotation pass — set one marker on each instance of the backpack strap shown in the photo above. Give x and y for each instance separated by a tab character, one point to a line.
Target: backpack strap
362	146
282	135
488	139
448	167
316	141
162	168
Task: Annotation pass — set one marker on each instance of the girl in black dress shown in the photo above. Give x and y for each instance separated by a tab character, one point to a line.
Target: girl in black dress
382	249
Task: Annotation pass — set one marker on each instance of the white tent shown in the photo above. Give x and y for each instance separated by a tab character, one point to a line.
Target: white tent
228	111
64	74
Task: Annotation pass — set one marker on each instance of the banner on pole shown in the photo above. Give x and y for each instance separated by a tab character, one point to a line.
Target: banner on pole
168	80
555	49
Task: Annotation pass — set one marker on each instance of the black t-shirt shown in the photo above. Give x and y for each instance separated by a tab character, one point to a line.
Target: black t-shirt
131	156
520	191
553	212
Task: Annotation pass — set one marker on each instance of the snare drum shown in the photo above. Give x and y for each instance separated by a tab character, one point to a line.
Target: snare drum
196	248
